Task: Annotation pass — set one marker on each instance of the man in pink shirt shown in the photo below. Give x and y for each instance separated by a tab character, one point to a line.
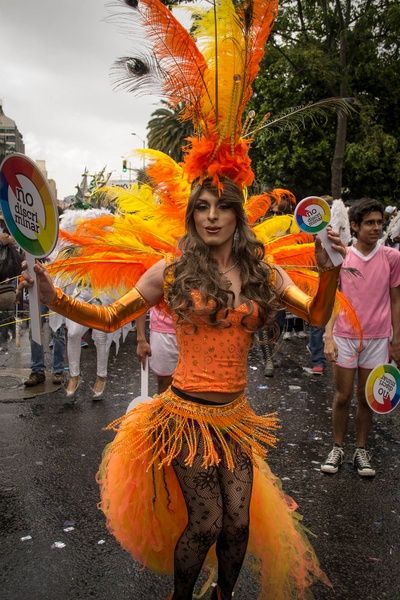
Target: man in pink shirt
375	294
162	349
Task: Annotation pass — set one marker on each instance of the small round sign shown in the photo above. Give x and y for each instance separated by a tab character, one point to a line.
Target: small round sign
382	389
312	214
27	204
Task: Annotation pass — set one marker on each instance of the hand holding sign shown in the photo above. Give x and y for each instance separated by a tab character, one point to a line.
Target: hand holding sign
31	216
312	215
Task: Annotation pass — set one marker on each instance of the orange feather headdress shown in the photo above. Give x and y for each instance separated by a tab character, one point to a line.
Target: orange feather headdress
209	71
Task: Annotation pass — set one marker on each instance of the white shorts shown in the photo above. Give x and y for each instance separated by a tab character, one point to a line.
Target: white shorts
164	353
374	352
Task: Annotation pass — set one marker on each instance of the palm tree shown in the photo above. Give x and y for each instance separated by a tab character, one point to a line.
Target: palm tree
167	132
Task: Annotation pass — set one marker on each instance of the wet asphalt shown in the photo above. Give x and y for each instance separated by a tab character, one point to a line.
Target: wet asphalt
53	540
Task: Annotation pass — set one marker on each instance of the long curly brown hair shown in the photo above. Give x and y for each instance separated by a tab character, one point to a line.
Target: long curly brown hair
196	269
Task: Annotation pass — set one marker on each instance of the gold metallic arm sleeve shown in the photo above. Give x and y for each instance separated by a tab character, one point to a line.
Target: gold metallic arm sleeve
316	310
106	318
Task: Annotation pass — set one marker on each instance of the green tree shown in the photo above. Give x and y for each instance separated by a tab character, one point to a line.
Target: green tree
166	131
333	48
319	50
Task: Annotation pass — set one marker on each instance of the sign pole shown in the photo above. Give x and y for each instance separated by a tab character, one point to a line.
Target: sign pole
34	305
31	216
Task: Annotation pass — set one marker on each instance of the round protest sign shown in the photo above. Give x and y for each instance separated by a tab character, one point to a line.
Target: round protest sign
382	389
312	214
27	204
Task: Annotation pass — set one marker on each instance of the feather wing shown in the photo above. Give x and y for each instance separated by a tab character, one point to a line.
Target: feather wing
256	206
169	182
275	227
289	240
295	255
105	266
308	282
112	252
104	270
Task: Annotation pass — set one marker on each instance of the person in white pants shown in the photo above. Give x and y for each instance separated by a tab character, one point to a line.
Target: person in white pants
75	333
102	342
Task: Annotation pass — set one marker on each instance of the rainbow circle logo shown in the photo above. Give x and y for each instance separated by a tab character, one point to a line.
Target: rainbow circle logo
382	389
312	214
27	204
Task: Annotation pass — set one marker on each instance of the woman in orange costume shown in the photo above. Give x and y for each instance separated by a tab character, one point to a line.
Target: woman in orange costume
186	471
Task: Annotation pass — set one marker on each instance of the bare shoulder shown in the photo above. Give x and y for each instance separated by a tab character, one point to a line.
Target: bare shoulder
151	283
157	270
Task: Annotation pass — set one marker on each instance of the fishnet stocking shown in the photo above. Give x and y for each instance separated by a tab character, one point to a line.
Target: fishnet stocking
217	502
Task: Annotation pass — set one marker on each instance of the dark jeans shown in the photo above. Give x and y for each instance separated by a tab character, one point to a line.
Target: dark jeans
316	345
37	356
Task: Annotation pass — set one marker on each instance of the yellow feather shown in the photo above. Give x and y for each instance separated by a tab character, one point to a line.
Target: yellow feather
275	227
220	39
137	199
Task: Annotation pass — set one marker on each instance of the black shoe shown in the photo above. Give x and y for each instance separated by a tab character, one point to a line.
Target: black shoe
361	462
35	378
58	378
334	460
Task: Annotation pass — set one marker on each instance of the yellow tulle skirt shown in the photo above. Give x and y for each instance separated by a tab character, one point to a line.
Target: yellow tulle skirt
144	505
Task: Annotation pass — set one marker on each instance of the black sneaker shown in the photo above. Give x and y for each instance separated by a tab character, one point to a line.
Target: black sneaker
58	378
361	462
35	378
334	460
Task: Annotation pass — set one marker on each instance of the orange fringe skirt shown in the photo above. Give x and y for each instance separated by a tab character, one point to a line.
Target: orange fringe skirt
144	505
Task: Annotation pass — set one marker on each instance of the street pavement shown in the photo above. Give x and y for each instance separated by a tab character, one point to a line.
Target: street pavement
54	544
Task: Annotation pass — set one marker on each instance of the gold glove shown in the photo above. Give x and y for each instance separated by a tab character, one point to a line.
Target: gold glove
317	310
106	318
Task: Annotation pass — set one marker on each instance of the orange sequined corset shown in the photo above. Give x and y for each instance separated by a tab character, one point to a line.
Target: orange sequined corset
213	359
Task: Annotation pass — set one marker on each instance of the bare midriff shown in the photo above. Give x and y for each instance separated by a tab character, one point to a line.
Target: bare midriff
216	397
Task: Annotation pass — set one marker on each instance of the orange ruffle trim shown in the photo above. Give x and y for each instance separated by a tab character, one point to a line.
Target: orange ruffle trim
144	505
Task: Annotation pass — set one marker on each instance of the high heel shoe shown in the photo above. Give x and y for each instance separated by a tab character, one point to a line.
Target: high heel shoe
73	384
216	594
99	387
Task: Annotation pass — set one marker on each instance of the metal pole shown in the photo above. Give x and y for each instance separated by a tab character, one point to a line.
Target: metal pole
144	148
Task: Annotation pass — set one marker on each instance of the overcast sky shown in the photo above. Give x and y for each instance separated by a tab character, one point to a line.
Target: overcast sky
55	59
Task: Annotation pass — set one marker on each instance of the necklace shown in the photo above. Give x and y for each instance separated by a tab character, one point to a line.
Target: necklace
230	269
